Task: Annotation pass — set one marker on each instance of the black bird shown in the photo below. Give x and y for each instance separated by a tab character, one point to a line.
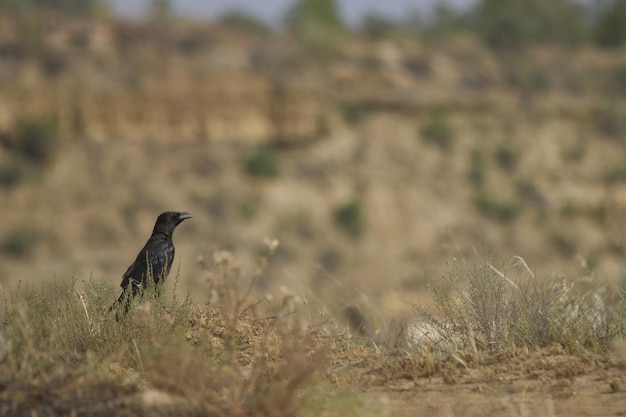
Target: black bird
155	259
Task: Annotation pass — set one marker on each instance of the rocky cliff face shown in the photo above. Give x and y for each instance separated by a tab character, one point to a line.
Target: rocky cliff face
139	82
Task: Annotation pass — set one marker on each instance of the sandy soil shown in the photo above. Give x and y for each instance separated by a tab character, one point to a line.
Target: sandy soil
589	394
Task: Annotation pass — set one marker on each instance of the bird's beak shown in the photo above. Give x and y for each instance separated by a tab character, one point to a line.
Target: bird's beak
183	215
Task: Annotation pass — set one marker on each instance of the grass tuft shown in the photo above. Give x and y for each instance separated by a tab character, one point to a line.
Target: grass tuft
484	308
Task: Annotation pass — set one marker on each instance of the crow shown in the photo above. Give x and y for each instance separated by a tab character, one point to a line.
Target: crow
154	261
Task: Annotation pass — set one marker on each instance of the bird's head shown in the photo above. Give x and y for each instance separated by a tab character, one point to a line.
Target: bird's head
167	221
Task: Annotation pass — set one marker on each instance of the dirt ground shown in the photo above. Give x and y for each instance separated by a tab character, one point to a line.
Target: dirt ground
535	386
378	382
590	394
487	391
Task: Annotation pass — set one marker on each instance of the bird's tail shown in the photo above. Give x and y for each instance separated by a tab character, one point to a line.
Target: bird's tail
122	305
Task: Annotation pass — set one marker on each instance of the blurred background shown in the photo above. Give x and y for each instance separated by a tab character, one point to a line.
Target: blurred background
375	140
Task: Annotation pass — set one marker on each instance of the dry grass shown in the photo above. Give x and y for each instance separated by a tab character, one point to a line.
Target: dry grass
63	353
481	307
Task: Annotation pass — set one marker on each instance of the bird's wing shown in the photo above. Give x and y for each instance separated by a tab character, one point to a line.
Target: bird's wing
154	259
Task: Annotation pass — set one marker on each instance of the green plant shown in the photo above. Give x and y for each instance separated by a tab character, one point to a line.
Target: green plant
516	23
503	211
12	173
317	24
245	22
438	130
77	7
355	111
34	140
610	27
478	168
350	218
18	243
263	162
248	210
507	157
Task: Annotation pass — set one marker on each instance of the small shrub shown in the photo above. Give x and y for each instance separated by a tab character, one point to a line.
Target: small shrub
248	210
18	243
33	139
350	218
355	111
317	24
439	131
263	163
499	210
12	173
245	22
507	157
482	307
478	168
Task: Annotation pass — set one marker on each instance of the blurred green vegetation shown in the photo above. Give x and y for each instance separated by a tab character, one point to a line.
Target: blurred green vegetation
516	23
245	22
350	218
30	147
18	243
496	208
263	162
438	130
78	7
610	28
318	24
355	111
12	173
34	140
502	25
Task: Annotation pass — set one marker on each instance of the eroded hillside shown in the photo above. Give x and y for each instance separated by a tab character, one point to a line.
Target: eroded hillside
373	166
